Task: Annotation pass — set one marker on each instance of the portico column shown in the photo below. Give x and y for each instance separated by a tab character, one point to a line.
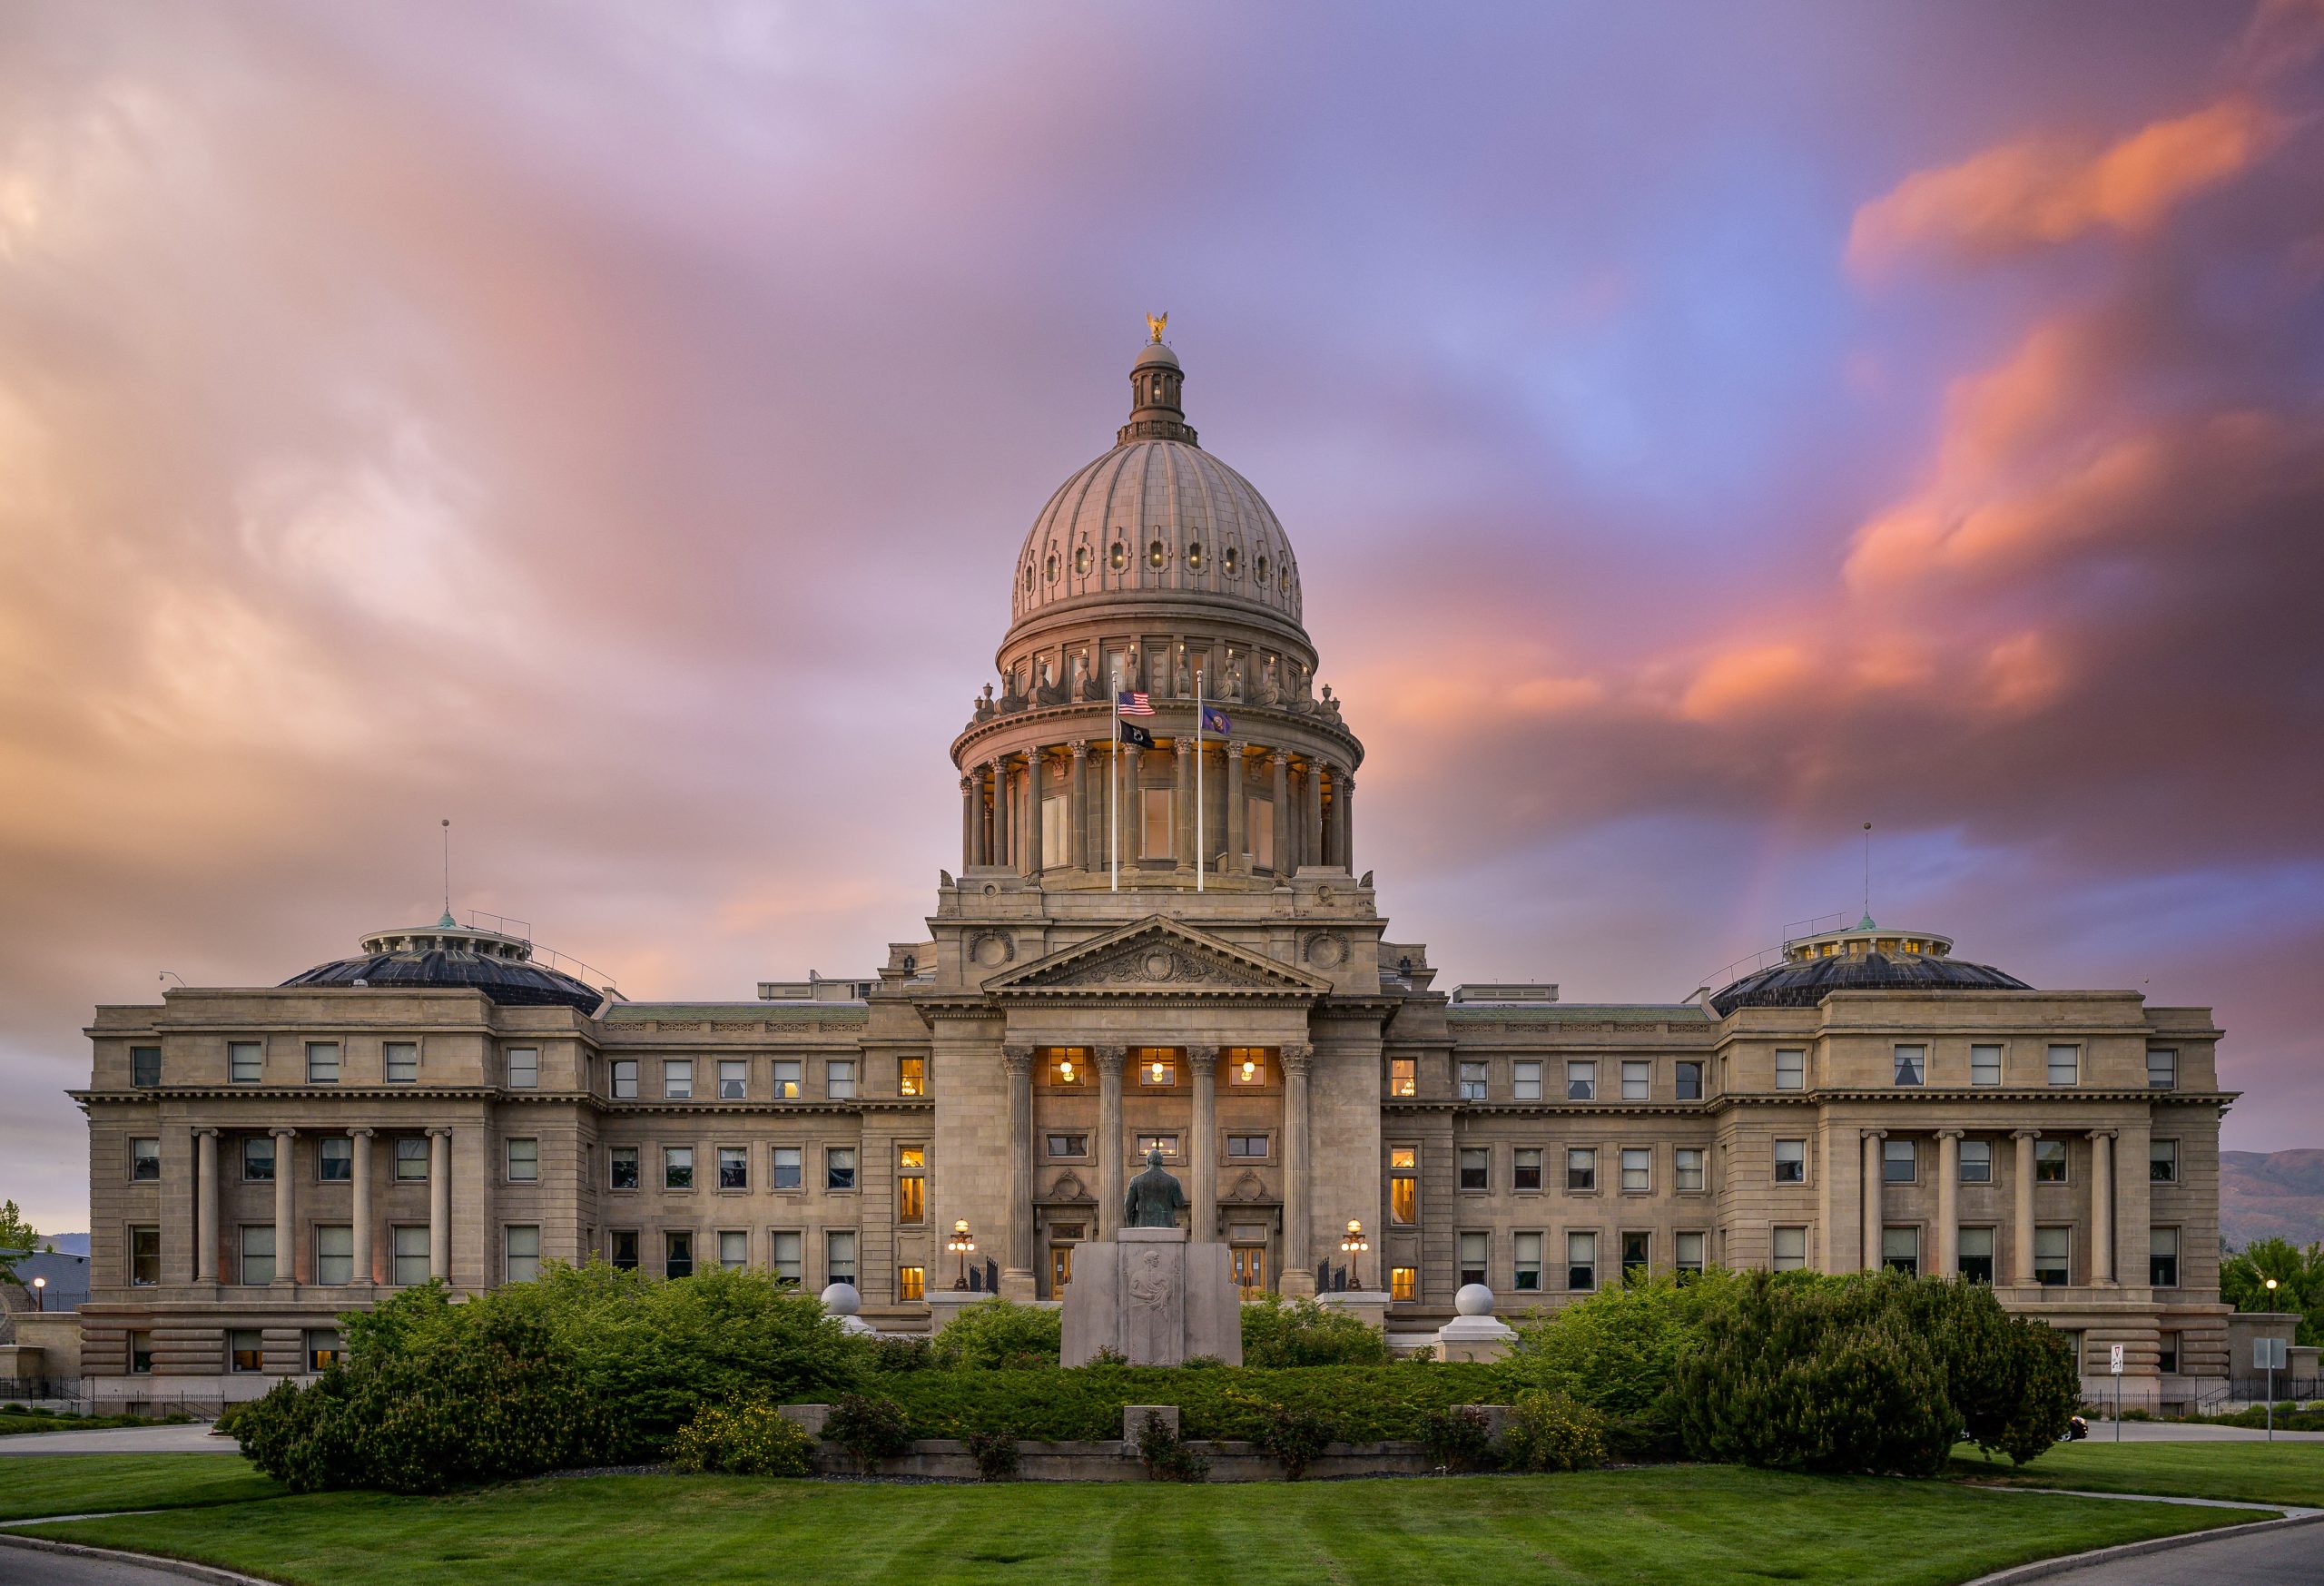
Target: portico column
1343	822
1235	863
1111	1184
1035	849
2102	1207
999	810
1281	858
968	822
1298	1252
1016	1280
1077	839
1202	1160
1182	807
1948	1207
359	1149
1311	849
1873	1211
2021	1238
206	1205
285	1228
439	1204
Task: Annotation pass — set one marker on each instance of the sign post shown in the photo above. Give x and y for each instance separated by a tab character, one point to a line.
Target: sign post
2117	1365
2267	1355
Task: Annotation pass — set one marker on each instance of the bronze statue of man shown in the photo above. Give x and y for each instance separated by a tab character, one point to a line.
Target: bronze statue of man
1154	1199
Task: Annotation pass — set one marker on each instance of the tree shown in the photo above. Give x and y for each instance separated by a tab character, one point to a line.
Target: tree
2299	1283
17	1238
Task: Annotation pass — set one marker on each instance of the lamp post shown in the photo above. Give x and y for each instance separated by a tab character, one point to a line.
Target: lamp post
960	1245
2272	1367
39	1294
1351	1247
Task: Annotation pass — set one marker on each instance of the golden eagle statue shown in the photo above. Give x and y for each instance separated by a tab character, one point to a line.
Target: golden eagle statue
1156	323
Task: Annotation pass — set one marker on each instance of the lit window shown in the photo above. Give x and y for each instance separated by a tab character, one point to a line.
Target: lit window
1525	1081
1976	1255
733	1167
145	1069
790	1168
912	1076
145	1161
1475	1169
1474	1251
1687	1254
1246	1065
2162	1258
2161	1068
1529	1263
677	1253
144	1255
1791	1071
621	1167
2052	1256
1193	556
258	1158
524	1161
1403	1282
2049	1161
839	1079
1404	1078
1912	1065
1580	1081
911	1281
1637	1081
245	1350
1119	558
624	1075
786	1081
1404	1184
911	1184
1229	562
408	1254
1899	1161
1976	1162
1637	1172
1791	1161
1156	1068
1581	1169
2163	1161
322	1062
242	1061
2065	1065
1156	556
1789	1249
1071	1067
1690	1081
677	1167
1081	568
839	1168
258	1253
784	1255
734	1248
1166	1144
1687	1168
1985	1065
1073	1146
1900	1250
401	1061
1527	1172
839	1256
734	1079
677	1079
1581	1262
524	1067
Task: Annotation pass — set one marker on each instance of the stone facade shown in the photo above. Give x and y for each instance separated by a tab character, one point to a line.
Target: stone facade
1170	945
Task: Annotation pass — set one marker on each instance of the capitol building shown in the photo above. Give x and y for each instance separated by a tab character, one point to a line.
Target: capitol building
1176	944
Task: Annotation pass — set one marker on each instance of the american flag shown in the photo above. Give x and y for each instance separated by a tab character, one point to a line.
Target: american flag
1126	703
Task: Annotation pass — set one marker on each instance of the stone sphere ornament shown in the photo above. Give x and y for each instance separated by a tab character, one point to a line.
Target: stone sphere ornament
1473	1300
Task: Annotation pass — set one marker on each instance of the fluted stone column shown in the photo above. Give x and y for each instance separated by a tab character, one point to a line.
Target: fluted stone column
1112	1185
1342	822
1235	863
1201	1158
1077	835
1948	1203
1298	1245
2102	1207
1874	1198
1182	807
968	822
999	810
1036	848
1017	1279
2021	1234
1133	804
359	1148
285	1221
439	1204
1280	763
206	1205
1312	849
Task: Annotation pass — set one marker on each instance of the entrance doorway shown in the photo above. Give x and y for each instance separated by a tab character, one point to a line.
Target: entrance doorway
1060	1269
1250	1265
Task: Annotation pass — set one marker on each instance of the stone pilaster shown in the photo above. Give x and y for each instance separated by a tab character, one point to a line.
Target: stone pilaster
1311	836
968	802
439	1203
359	1148
2101	1207
1000	811
1874	1198
206	1205
2021	1233
1344	822
286	1227
1034	848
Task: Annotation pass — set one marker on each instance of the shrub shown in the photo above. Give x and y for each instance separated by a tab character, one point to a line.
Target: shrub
872	1429
995	1454
1460	1438
2013	1380
1294	1437
998	1334
747	1438
1618	1352
1165	1454
896	1352
1277	1332
1550	1431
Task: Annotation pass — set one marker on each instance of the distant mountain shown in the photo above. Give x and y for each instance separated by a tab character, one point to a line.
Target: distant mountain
2266	1195
69	1244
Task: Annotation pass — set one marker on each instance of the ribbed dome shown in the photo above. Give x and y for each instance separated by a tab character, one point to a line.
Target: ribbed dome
461	958
1803	982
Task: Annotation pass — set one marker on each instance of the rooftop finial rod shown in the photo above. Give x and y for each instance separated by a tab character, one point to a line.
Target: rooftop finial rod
1867	873
447	919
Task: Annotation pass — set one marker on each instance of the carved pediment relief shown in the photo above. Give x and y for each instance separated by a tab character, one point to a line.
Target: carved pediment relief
1161	958
1069	1187
1248	1188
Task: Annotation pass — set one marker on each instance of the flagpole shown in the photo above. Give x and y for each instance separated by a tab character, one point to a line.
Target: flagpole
1200	864
1114	800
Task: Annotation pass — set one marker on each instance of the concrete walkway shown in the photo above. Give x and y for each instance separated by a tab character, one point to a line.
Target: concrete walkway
195	1437
2192	1432
2286	1557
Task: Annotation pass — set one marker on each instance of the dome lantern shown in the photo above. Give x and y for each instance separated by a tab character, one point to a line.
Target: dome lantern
1157	403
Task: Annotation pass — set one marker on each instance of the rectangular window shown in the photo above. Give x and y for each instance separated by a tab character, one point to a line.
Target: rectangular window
323	1350
911	1282
839	1079
782	1252
1637	1254
677	1167
734	1079
2052	1256
787	1085
1258	828
1912	1065
1476	1172
1791	1070
1581	1169
144	1071
621	1167
399	1061
1247	1147
734	1248
911	1184
1154	827
733	1167
2049	1161
1404	1184
2163	1161
912	1076
1157	1068
1581	1262
1976	1161
322	1062
1528	1174
258	1253
1581	1081
1472	1081
2065	1065
524	1067
145	1161
335	1254
624	1075
335	1159
408	1254
2161	1068
2167	1360
1473	1250
1529	1263
1976	1256
141	1354
1791	1161
677	1079
1687	1254
245	1350
790	1168
1166	1144
2162	1258
1789	1249
839	1168
677	1253
1899	1161
1687	1168
1404	1283
1068	1146
144	1255
1525	1081
1690	1081
1900	1250
1403	1077
1985	1065
524	1161
1637	1169
621	1249
243	1063
1637	1081
839	1256
258	1158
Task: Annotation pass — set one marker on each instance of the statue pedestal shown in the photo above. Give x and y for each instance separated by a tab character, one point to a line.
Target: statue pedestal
1153	1298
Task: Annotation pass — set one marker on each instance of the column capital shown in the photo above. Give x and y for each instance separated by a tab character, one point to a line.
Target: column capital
967	785
283	1134
1017	1059
1950	1134
1000	763
1876	1134
1183	745
1080	748
205	1131
1298	1059
1201	1059
361	1131
2025	1134
442	1131
1278	757
2104	1134
1110	1059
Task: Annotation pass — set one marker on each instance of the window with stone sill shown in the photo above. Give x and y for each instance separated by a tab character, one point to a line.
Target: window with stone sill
334	1254
733	1167
2161	1068
408	1254
1638	1257
1791	1070
839	1256
245	1351
1687	1256
1526	1170
790	1168
1581	1081
1525	1081
2052	1256
1689	1081
911	1284
1900	1250
1912	1065
1069	1146
1976	1254
141	1354
1581	1170
734	1248
786	1081
1404	1283
911	1184
2166	1360
677	1253
838	1080
1985	1065
1581	1262
1791	1161
524	1067
2049	1161
1528	1262
1244	1064
677	1167
1476	1168
839	1168
2162	1258
621	1168
524	1161
144	1161
1166	1144
1247	1147
2065	1065
1686	1169
322	1062
144	1257
258	1158
1474	1253
784	1255
912	1076
399	1061
244	1064
2163	1161
334	1159
1404	1185
1157	1068
625	1078
1403	1077
145	1066
677	1079
1899	1161
1637	1081
1787	1250
1638	1170
256	1247
1976	1162
734	1079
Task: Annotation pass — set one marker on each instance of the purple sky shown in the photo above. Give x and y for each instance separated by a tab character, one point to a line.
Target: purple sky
1703	430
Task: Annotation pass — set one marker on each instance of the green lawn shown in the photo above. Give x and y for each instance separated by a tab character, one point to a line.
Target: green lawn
1670	1524
2261	1472
89	1483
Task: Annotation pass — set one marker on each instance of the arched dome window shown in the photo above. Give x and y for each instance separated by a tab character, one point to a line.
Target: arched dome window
1193	556
1263	569
1049	570
1081	561
1028	577
1231	571
1121	557
1156	556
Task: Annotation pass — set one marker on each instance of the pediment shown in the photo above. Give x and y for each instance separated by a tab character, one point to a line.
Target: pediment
1156	958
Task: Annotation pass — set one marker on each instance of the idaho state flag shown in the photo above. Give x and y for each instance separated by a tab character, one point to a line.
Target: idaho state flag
1215	720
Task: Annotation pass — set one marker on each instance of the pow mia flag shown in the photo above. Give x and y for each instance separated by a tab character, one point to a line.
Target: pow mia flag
1137	737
